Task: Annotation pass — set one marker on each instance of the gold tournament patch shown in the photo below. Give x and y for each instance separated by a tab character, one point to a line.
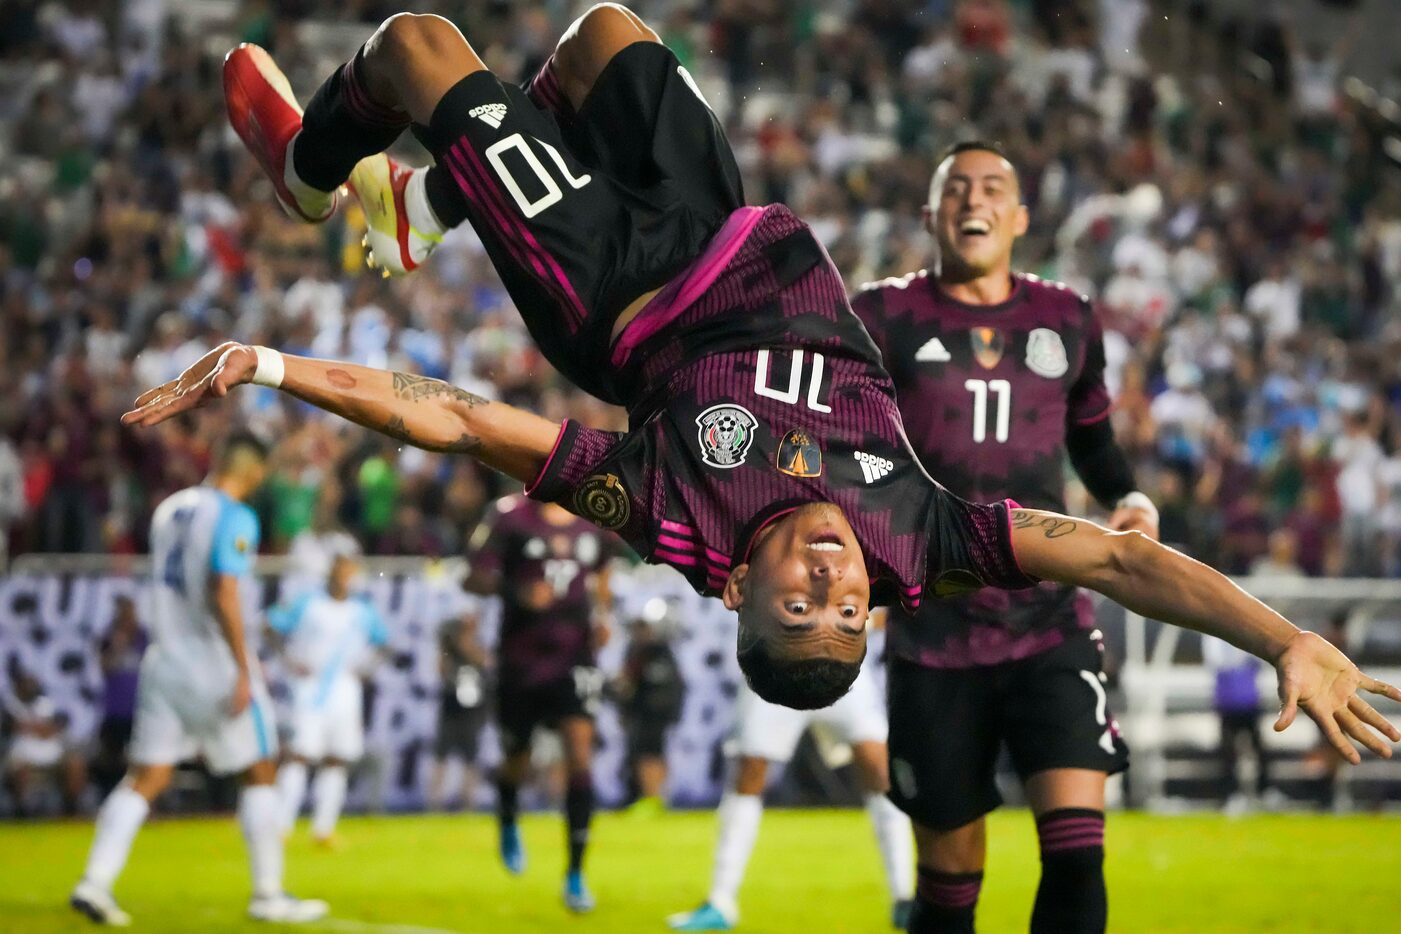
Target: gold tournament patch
241	545
799	455
602	500
987	346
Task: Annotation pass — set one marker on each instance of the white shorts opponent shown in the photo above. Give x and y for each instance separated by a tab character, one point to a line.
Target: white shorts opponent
768	731
328	724
182	711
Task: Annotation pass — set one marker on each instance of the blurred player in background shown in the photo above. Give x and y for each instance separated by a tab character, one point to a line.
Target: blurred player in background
462	664
650	693
40	748
200	689
550	569
999	376
769	733
331	640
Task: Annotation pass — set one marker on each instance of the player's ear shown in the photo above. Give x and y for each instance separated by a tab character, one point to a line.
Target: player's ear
734	587
1023	220
927	213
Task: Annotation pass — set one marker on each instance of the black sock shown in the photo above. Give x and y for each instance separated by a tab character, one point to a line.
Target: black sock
578	813
507	803
944	902
444	197
341	126
1071	898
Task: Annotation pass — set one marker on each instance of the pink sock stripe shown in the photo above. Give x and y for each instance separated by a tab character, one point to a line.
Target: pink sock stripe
950	894
1062	822
572	297
1082	842
491	200
545	90
365	108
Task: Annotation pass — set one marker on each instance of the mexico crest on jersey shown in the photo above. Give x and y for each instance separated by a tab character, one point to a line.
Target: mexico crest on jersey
1045	354
799	455
987	346
726	432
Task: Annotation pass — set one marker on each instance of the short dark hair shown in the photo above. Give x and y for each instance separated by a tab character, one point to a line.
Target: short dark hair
241	440
799	683
974	145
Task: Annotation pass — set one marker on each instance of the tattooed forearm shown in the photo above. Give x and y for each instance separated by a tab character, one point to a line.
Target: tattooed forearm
464	444
412	388
1054	526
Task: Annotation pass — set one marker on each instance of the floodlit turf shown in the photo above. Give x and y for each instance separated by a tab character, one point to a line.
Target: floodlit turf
813	871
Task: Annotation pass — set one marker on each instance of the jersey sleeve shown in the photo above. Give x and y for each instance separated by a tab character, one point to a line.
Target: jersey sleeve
970	547
1089	400
286	619
375	629
235	542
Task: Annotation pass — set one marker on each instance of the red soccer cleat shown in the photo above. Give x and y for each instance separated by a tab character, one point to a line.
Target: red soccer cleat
265	115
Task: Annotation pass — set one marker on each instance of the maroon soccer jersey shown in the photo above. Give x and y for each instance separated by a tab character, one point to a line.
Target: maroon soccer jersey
987	392
545	571
753	389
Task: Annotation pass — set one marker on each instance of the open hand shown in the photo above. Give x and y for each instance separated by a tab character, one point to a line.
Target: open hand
208	378
1314	675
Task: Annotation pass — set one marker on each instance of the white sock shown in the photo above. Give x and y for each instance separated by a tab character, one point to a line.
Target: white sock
118	820
259	816
739	828
416	205
291	786
330	798
896	840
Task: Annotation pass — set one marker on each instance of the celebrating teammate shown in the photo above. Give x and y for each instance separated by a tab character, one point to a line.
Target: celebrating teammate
769	733
200	689
550	569
331	641
766	460
998	376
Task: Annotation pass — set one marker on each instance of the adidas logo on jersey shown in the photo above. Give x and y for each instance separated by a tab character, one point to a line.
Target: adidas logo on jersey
873	467
490	114
933	351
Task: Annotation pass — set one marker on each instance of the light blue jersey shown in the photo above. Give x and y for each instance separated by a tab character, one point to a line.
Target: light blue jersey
195	534
333	640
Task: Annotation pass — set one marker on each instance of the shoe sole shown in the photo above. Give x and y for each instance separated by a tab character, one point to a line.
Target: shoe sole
94	914
243	116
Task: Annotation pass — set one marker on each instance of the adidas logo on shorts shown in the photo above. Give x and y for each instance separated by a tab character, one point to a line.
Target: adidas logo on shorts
875	468
490	114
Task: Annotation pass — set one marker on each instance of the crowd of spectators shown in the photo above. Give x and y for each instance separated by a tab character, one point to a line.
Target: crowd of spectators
1235	215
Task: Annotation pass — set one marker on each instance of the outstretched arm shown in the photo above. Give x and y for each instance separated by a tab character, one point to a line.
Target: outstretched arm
1161	583
427	413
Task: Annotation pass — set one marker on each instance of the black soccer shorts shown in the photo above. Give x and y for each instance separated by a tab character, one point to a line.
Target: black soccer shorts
582	213
948	725
520	709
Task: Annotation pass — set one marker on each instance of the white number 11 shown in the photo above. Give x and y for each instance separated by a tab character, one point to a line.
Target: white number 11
979	388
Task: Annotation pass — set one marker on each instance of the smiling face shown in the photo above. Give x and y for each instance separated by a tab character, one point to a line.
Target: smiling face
805	587
975	214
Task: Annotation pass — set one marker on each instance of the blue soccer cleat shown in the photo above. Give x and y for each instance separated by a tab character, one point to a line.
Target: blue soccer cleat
705	918
577	897
512	852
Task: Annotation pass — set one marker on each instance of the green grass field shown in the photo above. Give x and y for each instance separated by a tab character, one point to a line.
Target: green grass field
813	871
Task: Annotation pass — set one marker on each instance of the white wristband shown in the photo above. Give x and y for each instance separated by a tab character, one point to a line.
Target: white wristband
1137	500
270	367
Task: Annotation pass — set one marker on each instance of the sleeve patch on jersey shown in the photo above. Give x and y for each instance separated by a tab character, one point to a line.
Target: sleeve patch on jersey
1045	354
241	545
602	500
799	455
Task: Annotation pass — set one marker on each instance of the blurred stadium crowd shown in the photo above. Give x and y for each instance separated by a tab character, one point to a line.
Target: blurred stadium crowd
1217	185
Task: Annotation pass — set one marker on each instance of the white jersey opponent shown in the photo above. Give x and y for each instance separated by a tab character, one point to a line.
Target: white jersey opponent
188	674
333	643
769	731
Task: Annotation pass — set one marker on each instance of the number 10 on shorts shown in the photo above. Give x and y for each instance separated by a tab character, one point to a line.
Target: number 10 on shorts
553	193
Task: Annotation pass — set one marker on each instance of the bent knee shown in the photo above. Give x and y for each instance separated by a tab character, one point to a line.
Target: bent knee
590	43
409	36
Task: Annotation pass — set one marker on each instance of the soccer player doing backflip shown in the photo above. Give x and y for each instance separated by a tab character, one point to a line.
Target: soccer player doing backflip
766	459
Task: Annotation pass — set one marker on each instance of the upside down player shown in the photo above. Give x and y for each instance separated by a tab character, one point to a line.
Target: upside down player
998	374
550	569
766	460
